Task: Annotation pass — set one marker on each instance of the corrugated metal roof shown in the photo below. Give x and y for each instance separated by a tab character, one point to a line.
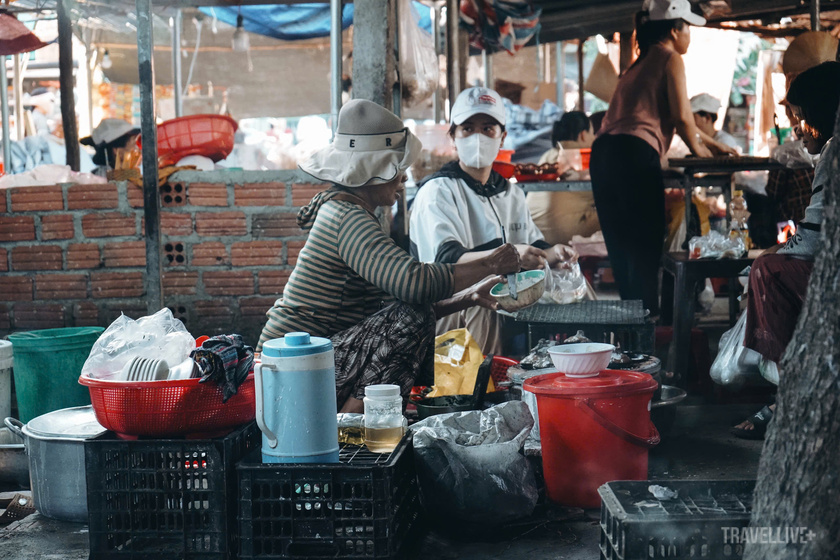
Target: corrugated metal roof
561	19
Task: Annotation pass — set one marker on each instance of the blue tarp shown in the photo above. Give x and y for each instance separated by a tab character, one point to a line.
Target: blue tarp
291	22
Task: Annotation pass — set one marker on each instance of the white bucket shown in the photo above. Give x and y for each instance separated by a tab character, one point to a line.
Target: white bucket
6	363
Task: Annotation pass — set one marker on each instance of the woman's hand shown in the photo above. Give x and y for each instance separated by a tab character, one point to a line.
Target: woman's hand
504	260
480	292
724	150
562	254
532	258
700	150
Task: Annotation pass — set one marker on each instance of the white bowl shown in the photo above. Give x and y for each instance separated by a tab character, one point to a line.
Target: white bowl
583	359
530	284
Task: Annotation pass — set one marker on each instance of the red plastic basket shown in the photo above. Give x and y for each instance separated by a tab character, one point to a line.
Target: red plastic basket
499	367
211	136
169	408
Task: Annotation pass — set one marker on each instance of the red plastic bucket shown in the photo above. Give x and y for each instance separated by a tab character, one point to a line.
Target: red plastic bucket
593	430
585	154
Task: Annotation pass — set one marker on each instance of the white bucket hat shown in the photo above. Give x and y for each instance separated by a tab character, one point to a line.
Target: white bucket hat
478	101
673	9
372	146
704	102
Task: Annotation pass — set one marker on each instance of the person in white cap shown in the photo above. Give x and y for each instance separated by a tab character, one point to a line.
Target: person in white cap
705	108
106	138
352	283
650	103
466	210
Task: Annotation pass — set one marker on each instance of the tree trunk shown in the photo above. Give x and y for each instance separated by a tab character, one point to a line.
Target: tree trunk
799	473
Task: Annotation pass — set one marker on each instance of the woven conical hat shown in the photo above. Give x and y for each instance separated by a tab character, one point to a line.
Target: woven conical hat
808	50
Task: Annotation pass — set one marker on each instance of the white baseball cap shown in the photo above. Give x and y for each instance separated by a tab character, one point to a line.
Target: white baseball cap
478	101
673	9
109	130
706	103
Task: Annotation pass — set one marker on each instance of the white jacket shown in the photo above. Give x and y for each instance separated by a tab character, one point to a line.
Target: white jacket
449	218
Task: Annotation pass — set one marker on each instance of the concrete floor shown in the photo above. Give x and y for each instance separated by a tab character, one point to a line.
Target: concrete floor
698	446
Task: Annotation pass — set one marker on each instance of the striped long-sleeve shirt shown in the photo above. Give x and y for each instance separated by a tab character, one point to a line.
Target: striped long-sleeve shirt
347	270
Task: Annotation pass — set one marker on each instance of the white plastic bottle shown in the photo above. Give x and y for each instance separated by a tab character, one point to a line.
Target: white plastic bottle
384	421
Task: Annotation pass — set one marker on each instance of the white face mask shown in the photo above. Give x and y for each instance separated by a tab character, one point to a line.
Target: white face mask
478	150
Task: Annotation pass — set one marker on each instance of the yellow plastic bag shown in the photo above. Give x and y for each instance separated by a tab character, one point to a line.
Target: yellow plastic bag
457	358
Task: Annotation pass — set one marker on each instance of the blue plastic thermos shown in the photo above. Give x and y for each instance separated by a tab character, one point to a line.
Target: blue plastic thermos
295	394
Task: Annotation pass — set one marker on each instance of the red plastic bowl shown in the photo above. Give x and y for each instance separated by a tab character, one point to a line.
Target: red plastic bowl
169	408
504	168
210	136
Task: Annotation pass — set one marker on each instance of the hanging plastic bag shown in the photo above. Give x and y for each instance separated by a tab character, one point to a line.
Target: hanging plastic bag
160	336
470	468
419	68
735	363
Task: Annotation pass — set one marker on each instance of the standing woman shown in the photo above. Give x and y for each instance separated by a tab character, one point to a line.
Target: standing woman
648	105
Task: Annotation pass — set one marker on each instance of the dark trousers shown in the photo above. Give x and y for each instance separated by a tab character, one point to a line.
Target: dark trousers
630	199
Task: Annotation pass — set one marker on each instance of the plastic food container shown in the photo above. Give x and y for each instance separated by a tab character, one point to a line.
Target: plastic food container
583	359
530	287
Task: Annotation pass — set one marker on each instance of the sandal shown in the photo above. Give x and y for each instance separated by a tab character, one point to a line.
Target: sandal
759	420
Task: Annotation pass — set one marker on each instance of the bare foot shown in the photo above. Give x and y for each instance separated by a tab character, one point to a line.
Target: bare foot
747	425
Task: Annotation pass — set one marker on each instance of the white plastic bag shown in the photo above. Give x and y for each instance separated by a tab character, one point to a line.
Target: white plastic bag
566	284
716	246
793	155
419	68
160	336
735	363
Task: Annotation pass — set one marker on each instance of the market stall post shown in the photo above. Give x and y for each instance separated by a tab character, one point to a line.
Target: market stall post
487	68
336	68
581	77
4	109
436	99
68	98
457	48
177	22
560	63
17	88
374	60
815	15
148	131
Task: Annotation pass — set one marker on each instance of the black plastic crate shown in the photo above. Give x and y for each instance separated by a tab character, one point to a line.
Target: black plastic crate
164	498
635	525
363	507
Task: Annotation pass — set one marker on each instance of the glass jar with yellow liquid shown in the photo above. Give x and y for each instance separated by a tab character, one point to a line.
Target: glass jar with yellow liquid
384	421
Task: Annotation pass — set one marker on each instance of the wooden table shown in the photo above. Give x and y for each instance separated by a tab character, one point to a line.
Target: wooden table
687	272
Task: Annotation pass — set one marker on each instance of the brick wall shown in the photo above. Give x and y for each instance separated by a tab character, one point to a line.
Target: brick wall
75	255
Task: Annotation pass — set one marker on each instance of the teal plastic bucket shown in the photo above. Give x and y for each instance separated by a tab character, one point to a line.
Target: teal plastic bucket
47	368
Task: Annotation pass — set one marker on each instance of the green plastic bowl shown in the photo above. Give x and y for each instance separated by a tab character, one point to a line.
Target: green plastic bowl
530	285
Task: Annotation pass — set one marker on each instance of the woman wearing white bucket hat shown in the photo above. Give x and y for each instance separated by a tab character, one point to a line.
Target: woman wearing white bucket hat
352	283
649	104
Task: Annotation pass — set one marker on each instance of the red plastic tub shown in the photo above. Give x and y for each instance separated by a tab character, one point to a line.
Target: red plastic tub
585	154
593	430
169	408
